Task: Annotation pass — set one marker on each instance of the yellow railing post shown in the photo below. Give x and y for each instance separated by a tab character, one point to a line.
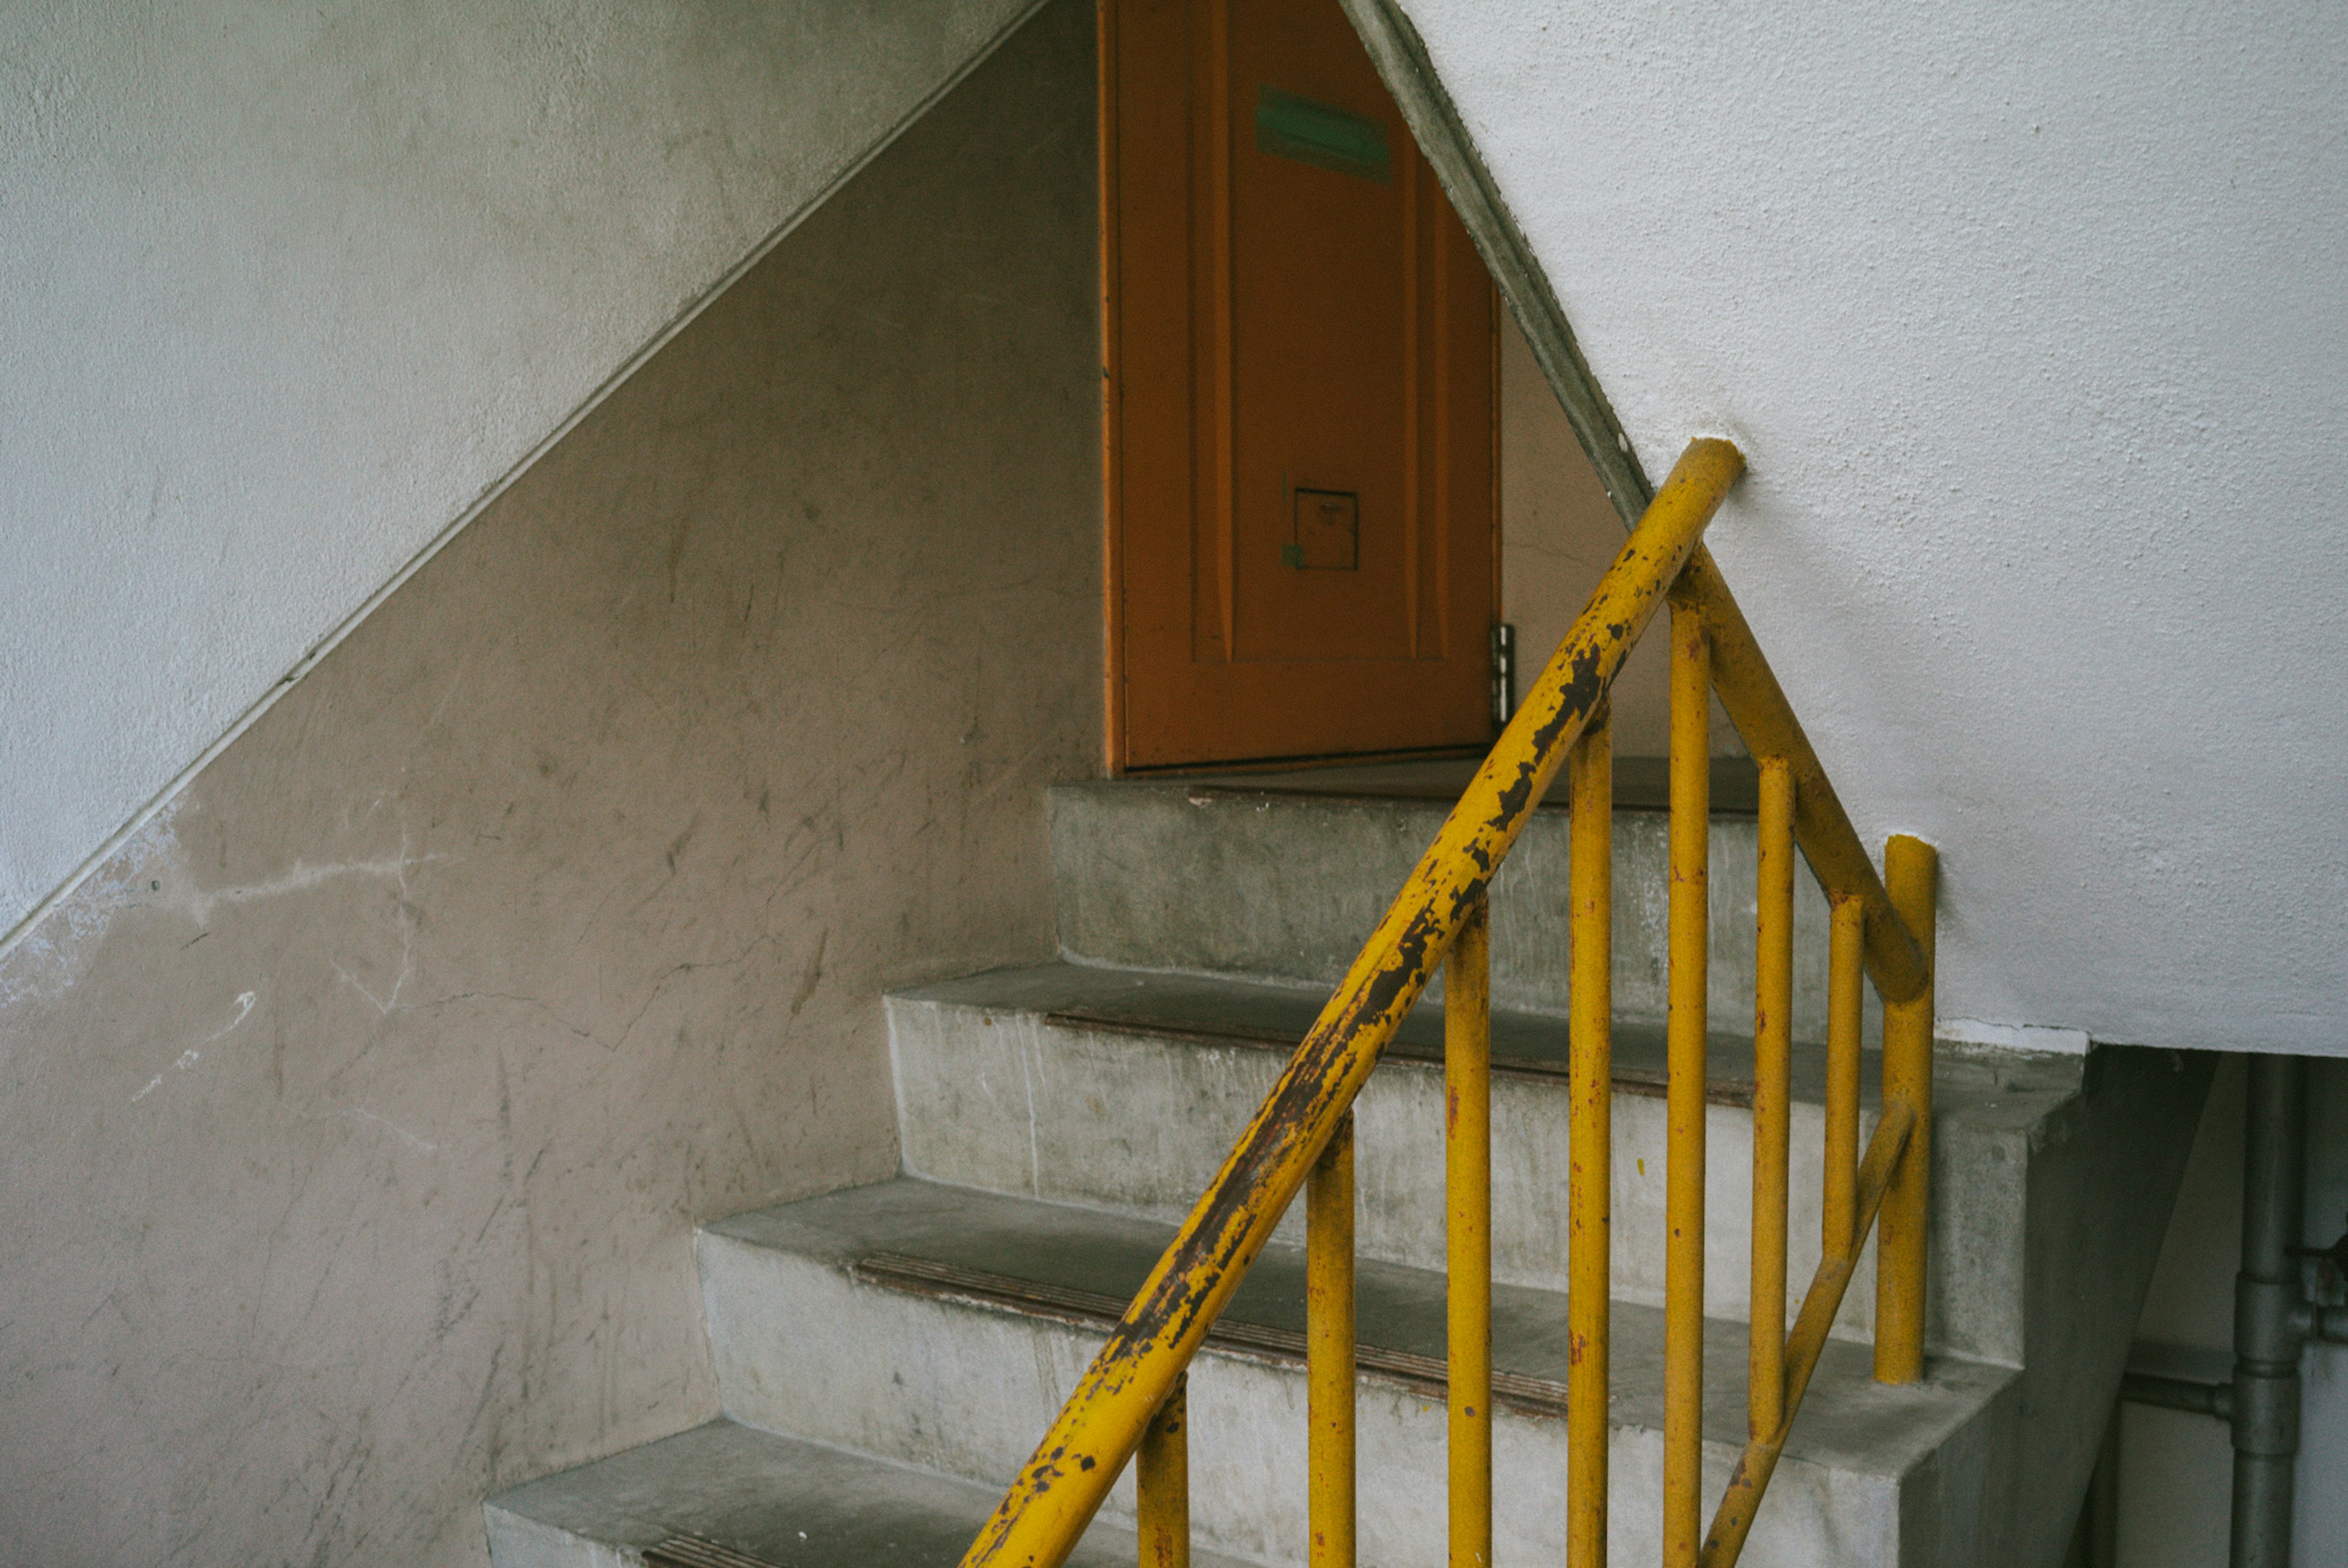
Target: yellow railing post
1690	917
1844	995
1162	1481
1589	1253
1056	1491
1910	875
1733	1519
1758	707
1468	1232
1773	1073
1329	1347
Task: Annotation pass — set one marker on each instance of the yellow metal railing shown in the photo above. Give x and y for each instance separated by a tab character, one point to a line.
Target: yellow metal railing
1132	1400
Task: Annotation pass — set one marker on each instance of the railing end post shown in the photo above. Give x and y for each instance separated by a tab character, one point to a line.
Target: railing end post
1911	878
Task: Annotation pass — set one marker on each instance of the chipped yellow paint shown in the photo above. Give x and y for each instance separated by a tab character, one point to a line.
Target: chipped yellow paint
1685	1029
1329	1345
1589	1249
1162	1483
1468	1234
1061	1487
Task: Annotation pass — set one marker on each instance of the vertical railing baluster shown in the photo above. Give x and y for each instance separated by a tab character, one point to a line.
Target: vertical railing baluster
1773	1074
1691	830
1329	1348
1910	875
1162	1479
1845	980
1468	1232
1589	1262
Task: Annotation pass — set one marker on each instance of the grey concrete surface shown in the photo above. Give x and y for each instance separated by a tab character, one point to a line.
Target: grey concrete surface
1125	1088
1239	878
788	1503
1059	1118
356	1124
2114	1161
1641	782
804	1346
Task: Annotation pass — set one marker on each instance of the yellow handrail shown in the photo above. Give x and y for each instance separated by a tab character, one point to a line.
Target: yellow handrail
1757	706
1061	1486
1132	1394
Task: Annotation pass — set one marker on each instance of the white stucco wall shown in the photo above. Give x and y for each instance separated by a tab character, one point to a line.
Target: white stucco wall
2030	319
288	290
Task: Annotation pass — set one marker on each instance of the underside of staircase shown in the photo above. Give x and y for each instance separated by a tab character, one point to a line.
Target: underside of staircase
887	1356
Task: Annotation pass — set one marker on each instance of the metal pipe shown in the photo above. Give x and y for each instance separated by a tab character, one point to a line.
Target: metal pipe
2179	1394
1162	1482
1329	1348
2316	1321
2267	1313
1684	1106
1468	1233
1773	1072
2274	1320
1911	877
1839	1207
1589	1198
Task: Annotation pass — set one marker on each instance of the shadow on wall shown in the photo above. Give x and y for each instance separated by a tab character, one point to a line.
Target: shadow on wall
354	1122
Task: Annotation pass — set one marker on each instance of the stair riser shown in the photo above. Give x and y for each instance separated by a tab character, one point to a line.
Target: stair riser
1288	886
1020	1103
803	1349
518	1542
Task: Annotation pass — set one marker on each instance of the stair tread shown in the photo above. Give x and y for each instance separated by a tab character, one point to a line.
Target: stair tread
1228	1009
774	1499
1641	784
1849	1422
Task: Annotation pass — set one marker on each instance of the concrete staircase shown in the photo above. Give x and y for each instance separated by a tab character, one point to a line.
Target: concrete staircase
888	1356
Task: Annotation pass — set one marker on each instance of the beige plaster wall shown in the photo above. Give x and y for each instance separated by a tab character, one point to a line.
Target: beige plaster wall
354	1122
1559	533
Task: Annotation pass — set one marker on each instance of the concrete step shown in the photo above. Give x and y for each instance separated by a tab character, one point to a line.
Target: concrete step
1283	877
1125	1088
941	1327
729	1496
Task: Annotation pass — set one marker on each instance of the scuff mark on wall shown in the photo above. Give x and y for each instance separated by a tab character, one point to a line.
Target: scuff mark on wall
416	1223
50	956
194	1053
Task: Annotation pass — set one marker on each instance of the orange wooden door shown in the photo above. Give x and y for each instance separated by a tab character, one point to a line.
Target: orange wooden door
1300	417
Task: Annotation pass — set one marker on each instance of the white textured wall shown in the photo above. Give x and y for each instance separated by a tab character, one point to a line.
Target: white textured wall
286	288
1559	533
2030	319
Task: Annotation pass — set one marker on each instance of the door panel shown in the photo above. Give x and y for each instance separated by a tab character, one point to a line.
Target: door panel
1301	411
